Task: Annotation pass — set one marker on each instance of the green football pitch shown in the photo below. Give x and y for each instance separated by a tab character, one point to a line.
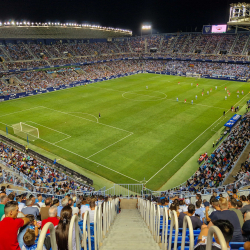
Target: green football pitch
143	135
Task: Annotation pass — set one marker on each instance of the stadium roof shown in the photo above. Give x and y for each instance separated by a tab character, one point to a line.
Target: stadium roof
72	31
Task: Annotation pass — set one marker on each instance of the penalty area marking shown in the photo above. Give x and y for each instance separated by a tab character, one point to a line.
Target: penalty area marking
21	111
68	136
193	141
85	114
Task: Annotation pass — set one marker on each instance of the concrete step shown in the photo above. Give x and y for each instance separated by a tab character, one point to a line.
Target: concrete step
129	232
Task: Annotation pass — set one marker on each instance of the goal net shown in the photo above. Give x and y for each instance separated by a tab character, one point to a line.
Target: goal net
23	130
193	75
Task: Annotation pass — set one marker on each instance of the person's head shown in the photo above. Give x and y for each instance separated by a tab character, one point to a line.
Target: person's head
39	197
247	245
62	229
223	203
71	203
198	196
53	211
11	197
29	237
215	204
191	209
232	203
29	202
198	204
163	202
31	217
239	204
173	207
56	202
226	228
65	201
92	204
243	198
47	202
3	189
4	199
11	209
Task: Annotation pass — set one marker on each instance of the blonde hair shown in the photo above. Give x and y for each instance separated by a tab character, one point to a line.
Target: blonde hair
223	203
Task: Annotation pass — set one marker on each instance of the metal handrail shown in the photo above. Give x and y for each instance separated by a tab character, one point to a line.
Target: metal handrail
174	223
86	233
74	222
164	232
42	236
95	227
215	230
187	222
157	224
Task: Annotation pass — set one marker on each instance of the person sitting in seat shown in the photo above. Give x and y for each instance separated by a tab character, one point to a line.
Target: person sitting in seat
194	219
227	230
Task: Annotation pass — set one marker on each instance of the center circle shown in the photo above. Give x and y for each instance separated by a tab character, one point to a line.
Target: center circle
144	95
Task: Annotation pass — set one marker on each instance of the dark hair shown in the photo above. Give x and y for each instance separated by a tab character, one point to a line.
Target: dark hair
162	201
55	201
47	202
62	229
226	228
243	197
11	197
10	205
198	204
29	237
173	207
31	217
92	203
199	196
239	204
233	202
191	208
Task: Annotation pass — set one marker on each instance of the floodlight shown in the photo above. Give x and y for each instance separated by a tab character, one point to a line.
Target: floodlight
146	27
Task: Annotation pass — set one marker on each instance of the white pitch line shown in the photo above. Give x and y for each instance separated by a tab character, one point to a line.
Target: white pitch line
192	142
62	139
85	113
89	160
83	157
87	119
21	111
109	145
49	128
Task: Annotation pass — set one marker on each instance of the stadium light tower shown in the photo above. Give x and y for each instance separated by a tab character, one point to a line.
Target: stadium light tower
146	27
239	16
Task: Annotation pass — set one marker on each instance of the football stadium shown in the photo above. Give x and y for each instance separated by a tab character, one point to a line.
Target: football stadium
111	140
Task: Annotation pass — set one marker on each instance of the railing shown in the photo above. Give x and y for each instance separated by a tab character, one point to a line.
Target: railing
108	216
151	217
42	236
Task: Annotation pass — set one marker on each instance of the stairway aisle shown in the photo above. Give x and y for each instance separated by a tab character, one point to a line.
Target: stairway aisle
129	231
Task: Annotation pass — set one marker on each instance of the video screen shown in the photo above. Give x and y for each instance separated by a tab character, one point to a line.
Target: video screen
219	28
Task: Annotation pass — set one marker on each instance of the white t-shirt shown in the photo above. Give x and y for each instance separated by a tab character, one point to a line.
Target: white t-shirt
41	204
20	206
84	208
75	210
91	216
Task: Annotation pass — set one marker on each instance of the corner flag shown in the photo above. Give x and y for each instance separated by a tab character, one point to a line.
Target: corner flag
6	130
27	139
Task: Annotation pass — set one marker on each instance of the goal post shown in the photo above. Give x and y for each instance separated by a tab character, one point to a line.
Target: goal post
22	129
194	75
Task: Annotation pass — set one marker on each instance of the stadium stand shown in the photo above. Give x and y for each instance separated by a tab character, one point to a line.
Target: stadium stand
50	190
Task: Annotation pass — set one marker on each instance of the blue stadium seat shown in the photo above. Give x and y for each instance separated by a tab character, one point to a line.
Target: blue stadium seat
236	245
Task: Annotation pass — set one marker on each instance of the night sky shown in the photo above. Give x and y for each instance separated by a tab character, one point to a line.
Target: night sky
165	15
